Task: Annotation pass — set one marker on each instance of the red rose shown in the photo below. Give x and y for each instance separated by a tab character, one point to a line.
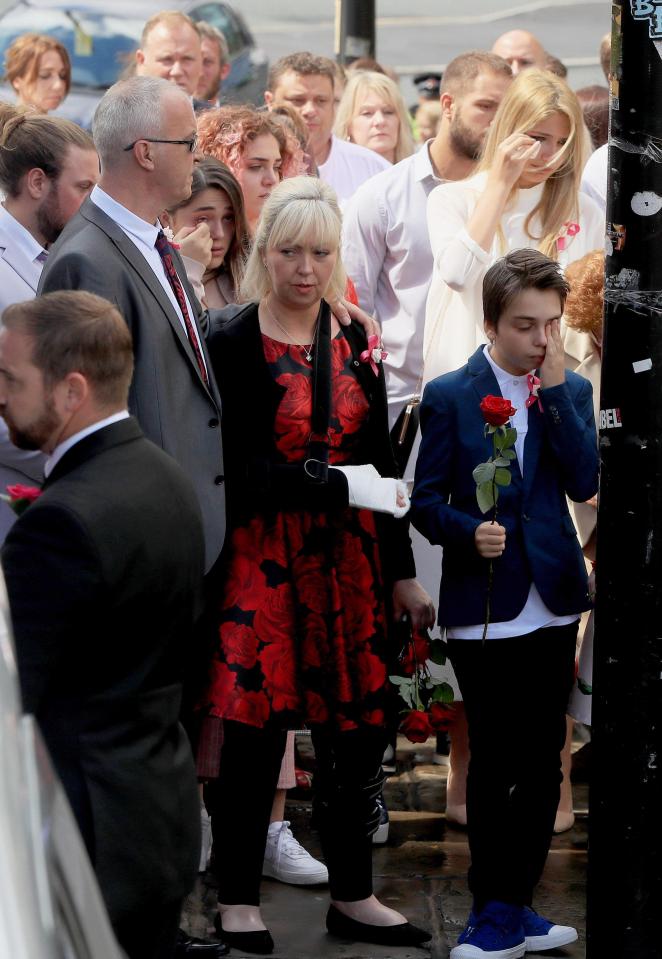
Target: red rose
273	349
239	644
311	583
496	411
29	493
297	403
349	403
416	726
372	672
279	668
274	618
441	716
416	653
249	708
316	709
221	685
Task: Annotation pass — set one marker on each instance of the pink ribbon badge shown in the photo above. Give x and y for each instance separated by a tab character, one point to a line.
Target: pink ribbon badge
569	231
533	382
374	354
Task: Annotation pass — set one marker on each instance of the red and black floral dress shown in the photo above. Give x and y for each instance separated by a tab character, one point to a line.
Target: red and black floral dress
302	634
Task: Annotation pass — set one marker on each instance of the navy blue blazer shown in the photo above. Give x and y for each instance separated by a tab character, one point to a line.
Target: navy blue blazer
560	459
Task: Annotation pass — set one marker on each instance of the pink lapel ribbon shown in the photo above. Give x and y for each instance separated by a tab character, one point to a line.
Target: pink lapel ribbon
533	382
374	354
570	230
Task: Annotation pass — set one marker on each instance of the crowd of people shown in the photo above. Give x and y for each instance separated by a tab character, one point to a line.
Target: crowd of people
245	357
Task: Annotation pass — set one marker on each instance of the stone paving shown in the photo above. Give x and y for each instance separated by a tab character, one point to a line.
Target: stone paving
421	872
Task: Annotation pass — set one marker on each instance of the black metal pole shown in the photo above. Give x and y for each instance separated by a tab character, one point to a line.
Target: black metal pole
625	822
355	30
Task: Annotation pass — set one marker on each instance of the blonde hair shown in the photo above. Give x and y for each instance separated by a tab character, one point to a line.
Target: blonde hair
358	86
299	210
533	96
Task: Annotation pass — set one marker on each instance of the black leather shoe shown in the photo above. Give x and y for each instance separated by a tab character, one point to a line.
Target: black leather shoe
258	942
189	947
404	934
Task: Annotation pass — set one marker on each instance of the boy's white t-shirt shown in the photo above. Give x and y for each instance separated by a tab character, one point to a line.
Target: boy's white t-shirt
534	615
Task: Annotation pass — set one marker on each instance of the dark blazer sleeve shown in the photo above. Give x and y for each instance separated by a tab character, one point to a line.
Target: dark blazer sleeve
571	431
431	512
53	579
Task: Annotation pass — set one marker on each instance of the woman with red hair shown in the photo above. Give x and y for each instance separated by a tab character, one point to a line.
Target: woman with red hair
39	70
258	149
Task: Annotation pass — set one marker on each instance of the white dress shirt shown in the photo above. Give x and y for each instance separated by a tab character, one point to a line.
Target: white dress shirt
387	255
66	445
534	614
143	235
348	166
21	261
594	177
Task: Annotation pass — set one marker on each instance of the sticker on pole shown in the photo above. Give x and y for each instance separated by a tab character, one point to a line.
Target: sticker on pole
610	419
646	203
650	10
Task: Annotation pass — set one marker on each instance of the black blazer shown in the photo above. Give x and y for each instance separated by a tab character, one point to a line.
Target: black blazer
258	477
168	396
104	576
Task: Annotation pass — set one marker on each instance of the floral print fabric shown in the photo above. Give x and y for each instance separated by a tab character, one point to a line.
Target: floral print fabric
302	627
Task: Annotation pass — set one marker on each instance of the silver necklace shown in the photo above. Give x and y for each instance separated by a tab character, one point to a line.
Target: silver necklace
306	350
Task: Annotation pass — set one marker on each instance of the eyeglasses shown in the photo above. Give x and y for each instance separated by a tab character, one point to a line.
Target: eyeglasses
191	144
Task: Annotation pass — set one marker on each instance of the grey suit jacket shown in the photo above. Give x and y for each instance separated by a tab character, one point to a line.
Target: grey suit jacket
18	275
168	396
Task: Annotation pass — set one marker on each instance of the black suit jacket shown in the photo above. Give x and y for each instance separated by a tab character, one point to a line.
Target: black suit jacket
104	576
168	396
258	478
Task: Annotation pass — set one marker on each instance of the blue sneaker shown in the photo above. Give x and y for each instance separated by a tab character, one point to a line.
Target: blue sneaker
541	934
496	933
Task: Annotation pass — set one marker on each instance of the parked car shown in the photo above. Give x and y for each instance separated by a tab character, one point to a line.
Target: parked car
102	35
50	904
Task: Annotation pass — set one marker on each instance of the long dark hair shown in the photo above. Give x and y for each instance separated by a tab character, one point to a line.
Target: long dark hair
212	174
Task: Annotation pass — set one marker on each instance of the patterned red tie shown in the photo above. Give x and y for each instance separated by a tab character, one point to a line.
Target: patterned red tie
163	249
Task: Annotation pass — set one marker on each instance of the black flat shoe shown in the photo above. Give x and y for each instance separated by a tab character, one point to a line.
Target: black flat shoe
404	934
258	942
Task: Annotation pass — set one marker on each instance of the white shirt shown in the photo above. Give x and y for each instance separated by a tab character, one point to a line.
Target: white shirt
534	615
387	255
143	236
66	445
22	238
594	177
454	314
348	166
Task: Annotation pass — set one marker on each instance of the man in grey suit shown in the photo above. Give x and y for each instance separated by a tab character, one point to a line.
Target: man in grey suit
48	166
145	133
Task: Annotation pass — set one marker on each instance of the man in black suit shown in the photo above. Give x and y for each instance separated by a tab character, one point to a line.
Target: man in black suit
144	130
104	575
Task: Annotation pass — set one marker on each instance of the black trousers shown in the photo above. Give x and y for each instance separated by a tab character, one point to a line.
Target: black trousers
515	695
152	934
347	779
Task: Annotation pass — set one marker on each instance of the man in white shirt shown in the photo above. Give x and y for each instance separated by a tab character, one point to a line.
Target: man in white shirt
386	244
594	176
306	83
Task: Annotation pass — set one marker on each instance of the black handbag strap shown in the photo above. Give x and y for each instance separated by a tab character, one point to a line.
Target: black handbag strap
317	463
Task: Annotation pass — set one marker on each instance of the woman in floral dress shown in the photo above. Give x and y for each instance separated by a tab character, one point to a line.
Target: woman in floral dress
313	576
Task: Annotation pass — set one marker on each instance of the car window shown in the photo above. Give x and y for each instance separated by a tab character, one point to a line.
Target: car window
222	18
99	45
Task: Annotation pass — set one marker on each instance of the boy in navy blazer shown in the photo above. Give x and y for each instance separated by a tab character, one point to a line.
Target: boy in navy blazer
516	683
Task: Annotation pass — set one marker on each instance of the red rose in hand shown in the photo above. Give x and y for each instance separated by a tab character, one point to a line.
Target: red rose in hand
417	652
441	716
496	411
416	726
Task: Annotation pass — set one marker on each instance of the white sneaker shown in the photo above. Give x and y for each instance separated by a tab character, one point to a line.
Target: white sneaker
286	859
